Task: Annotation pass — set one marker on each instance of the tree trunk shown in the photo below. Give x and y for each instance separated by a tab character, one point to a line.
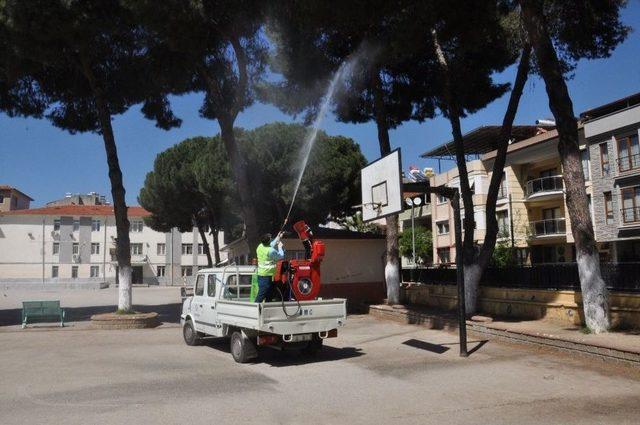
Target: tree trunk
472	271
123	249
594	292
205	244
241	178
392	266
123	246
491	234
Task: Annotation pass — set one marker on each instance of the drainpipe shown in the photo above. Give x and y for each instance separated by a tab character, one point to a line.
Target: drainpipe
43	218
104	252
172	272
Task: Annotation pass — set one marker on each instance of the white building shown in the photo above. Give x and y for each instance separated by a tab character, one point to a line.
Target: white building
75	244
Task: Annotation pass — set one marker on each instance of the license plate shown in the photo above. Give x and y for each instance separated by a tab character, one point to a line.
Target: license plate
300	338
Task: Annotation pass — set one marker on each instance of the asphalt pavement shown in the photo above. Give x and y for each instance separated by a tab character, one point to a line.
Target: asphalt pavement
375	372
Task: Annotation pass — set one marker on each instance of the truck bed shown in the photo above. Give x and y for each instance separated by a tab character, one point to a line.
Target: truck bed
314	316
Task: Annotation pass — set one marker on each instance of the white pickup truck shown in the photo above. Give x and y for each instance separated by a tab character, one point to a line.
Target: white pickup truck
220	307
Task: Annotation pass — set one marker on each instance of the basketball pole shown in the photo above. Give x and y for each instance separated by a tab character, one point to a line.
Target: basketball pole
453	195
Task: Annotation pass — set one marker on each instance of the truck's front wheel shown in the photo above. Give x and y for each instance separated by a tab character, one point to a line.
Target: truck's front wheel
242	349
189	333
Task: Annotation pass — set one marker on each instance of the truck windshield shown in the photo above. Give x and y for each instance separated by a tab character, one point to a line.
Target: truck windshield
238	289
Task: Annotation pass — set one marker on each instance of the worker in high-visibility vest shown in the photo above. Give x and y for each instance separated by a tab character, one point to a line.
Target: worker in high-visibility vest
268	253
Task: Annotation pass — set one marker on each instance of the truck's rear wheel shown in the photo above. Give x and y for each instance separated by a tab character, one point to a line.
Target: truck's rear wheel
189	333
242	349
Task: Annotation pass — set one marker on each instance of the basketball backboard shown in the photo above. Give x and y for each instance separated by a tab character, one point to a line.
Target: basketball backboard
382	187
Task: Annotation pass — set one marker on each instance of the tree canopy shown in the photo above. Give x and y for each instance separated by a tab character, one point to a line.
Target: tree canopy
194	176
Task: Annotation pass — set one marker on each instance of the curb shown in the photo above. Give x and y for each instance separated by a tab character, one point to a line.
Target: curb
447	321
603	353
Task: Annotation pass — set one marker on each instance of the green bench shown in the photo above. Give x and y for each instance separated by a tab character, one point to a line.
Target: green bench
42	311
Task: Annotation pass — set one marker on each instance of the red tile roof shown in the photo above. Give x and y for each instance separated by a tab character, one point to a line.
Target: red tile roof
6	187
78	210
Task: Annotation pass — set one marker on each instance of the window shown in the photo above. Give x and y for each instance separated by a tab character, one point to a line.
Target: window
94	271
187	249
160	271
75	249
136	226
444	255
161	249
95	248
200	249
442	227
608	207
1	199
238	288
136	249
441	199
54	271
187	271
74	272
628	153
584	159
503	224
604	159
631	204
211	285
76	225
502	191
56	225
95	225
199	284
56	248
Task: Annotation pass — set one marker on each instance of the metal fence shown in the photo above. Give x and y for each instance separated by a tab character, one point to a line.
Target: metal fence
618	276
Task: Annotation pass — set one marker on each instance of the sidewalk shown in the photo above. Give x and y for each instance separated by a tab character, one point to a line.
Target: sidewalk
615	346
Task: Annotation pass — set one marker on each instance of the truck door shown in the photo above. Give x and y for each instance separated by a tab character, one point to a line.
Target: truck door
197	305
209	313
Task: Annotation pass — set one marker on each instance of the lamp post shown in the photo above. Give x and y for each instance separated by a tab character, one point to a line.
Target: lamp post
413	202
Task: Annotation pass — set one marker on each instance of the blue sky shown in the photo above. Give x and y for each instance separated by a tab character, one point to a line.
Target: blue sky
46	162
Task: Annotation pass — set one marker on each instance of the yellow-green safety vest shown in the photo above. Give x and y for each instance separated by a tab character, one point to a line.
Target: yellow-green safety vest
266	266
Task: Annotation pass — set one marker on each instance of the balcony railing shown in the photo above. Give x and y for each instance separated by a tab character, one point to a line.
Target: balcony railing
628	162
553	226
631	215
544	184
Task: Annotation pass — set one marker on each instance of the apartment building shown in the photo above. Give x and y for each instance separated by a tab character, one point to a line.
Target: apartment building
75	244
531	207
13	199
611	132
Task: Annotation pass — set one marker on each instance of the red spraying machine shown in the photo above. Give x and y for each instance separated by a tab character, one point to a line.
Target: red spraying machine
302	277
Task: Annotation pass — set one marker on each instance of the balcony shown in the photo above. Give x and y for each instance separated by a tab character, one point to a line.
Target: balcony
550	227
551	185
628	163
630	216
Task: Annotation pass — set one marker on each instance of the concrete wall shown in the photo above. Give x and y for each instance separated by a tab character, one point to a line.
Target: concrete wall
563	307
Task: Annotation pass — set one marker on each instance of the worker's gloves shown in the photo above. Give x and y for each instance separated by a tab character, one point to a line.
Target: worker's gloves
280	245
278	238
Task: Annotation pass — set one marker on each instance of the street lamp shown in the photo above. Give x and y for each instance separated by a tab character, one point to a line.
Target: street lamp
413	202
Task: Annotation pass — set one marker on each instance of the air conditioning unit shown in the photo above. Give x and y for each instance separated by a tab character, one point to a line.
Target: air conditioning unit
76	258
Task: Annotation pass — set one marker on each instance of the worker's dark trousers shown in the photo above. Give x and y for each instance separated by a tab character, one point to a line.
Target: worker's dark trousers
264	289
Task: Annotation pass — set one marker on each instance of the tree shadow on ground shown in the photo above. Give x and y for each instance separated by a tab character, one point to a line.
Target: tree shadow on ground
278	358
167	313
